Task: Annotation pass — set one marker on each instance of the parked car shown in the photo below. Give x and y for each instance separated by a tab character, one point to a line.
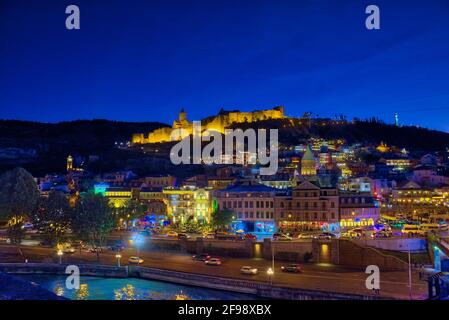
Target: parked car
248	270
135	260
117	247
291	268
429	227
305	236
209	236
183	236
382	234
250	236
213	262
281	237
201	257
66	248
412	229
324	235
172	234
353	233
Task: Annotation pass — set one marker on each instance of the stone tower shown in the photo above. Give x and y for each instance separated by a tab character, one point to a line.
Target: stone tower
182	115
69	163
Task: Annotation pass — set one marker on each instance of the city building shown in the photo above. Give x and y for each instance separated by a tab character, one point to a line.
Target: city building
358	209
253	205
308	206
185	204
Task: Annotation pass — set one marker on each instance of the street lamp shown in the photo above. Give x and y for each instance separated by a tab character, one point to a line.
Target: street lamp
118	256
60	253
270	274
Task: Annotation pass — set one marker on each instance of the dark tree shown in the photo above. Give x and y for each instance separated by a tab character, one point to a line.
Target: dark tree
221	219
93	220
18	199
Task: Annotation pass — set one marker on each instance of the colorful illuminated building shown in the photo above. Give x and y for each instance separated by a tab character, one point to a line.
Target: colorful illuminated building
358	209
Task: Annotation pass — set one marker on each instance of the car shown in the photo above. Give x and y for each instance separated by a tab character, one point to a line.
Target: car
95	250
117	247
172	234
353	233
281	237
295	268
412	229
305	236
209	236
248	270
213	262
324	235
135	260
183	236
381	234
66	248
429	227
201	257
250	236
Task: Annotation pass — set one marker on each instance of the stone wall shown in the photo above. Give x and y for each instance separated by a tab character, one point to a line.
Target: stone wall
293	251
263	290
352	254
395	244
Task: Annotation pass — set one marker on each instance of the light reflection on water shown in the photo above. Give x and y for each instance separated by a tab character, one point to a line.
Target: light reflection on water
94	288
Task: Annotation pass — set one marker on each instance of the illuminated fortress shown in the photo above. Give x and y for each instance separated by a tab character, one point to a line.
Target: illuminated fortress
219	123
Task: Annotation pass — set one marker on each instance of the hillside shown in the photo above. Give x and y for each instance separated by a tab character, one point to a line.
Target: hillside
43	147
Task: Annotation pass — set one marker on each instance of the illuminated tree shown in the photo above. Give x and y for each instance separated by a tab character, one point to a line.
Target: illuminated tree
52	217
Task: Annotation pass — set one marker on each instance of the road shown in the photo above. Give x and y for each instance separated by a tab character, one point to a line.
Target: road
314	276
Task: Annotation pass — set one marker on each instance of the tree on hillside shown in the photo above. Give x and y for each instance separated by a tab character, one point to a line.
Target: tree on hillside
52	217
18	199
221	219
92	220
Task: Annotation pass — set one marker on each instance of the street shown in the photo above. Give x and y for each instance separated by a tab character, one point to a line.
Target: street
323	277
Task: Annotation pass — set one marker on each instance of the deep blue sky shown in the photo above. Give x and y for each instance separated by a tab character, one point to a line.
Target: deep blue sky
144	60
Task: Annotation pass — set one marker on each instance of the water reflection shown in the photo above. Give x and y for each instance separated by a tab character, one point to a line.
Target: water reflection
93	288
83	292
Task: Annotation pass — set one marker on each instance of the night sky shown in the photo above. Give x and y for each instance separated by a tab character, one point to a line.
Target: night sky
144	60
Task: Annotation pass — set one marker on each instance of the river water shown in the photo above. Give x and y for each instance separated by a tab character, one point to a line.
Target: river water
96	288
